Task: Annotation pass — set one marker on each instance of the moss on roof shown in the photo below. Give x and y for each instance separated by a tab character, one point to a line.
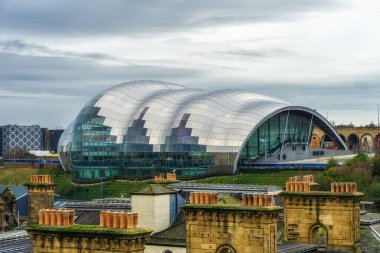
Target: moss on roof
231	207
322	194
229	200
93	229
154	189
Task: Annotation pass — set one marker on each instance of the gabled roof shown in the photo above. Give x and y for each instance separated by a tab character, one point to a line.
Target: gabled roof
154	189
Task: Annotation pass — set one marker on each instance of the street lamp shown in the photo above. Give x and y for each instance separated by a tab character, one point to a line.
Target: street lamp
101	187
378	117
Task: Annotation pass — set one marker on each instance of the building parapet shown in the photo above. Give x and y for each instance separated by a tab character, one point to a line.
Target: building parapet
117	232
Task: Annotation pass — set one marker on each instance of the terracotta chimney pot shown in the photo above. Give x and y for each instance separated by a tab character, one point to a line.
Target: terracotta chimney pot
47	217
41	217
250	199
129	220
122	219
59	217
261	200
66	217
53	220
244	199
116	221
135	220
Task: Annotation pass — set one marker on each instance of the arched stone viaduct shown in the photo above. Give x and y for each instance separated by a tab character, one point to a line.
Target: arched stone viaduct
365	139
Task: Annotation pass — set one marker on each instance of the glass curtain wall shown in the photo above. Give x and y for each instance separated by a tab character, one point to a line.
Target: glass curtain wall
94	154
281	129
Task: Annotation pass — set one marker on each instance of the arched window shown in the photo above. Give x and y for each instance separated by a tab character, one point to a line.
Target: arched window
225	249
167	251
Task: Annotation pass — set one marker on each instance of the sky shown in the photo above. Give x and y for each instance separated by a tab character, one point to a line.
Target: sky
55	55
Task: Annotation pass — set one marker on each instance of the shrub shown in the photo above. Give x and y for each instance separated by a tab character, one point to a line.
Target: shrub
376	165
332	163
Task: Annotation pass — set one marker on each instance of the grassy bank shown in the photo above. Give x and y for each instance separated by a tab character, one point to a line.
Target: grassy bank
273	178
21	176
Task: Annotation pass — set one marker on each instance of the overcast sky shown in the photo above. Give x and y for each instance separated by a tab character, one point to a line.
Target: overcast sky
56	54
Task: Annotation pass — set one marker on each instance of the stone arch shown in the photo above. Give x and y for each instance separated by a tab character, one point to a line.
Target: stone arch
366	142
225	248
353	142
315	141
376	142
343	137
314	234
326	141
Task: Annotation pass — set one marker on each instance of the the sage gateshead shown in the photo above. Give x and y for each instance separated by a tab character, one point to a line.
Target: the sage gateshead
140	128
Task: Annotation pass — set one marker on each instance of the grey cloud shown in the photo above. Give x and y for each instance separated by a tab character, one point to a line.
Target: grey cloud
21	47
97	17
51	90
260	53
342	95
75	76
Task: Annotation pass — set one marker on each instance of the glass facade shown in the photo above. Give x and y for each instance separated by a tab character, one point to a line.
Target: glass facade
140	128
281	129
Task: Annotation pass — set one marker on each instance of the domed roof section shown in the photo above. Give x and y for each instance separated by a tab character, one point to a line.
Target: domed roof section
219	120
163	115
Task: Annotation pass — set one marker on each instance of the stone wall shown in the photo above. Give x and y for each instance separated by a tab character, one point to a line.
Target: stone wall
57	232
86	239
40	196
336	213
245	228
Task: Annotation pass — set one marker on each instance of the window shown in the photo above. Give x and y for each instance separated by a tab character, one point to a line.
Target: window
225	249
167	251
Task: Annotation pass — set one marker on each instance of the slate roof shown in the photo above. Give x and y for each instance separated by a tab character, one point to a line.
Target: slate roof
15	241
175	235
87	217
154	189
19	191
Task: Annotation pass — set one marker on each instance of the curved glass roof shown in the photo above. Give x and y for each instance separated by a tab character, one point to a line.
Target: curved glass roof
221	120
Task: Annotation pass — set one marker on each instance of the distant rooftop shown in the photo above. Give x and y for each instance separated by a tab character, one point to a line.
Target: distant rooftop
226	188
18	191
100	204
154	189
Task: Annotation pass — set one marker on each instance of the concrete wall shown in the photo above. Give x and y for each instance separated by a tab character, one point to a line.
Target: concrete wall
154	211
161	249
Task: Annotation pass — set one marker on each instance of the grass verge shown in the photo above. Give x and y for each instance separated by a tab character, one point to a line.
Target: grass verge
272	178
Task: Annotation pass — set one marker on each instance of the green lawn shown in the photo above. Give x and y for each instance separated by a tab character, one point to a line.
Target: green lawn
273	178
21	176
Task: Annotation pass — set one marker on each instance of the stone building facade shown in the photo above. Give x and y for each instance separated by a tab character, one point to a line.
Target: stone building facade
40	196
231	228
335	214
